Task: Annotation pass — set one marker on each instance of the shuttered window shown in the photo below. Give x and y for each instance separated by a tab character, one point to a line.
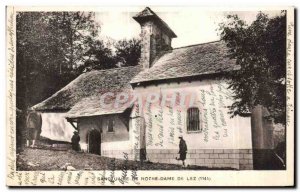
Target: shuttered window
193	121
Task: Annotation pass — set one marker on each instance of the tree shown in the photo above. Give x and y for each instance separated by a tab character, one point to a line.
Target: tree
99	56
74	29
128	52
50	46
102	56
260	50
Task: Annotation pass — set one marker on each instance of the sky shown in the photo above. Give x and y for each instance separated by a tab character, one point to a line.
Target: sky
191	25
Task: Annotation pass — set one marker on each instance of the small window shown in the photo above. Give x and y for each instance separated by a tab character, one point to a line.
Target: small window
193	121
110	125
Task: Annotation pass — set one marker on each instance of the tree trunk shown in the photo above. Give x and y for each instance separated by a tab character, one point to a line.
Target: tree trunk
264	157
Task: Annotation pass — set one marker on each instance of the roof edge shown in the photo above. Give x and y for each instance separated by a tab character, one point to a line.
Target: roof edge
203	76
140	18
193	45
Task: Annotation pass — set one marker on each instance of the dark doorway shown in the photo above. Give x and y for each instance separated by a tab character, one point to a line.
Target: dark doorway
94	141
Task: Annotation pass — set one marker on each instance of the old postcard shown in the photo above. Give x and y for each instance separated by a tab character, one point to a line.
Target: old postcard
150	96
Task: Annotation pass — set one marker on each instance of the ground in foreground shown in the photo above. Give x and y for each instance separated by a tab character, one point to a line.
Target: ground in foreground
45	159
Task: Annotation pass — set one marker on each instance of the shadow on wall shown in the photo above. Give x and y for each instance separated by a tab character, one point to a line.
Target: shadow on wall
56	127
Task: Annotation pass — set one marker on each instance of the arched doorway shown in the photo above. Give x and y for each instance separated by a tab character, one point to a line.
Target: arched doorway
94	141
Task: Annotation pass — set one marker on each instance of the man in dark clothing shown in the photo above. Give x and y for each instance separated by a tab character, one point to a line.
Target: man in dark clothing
75	141
182	150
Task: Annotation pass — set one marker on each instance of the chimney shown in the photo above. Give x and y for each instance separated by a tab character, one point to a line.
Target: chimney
156	36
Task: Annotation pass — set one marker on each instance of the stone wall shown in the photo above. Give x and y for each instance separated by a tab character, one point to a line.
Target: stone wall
154	40
240	159
218	158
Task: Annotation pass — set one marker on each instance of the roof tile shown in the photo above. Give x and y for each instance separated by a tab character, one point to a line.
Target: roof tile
90	86
207	58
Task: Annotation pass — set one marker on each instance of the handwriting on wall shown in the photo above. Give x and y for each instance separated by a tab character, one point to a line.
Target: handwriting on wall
165	123
212	104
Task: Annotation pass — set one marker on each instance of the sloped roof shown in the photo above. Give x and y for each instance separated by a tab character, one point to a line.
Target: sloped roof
195	60
91	106
147	14
81	97
85	90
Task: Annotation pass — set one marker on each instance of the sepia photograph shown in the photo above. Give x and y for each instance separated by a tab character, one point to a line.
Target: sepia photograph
119	91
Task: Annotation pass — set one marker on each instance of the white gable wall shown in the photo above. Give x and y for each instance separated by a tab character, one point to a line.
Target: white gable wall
221	134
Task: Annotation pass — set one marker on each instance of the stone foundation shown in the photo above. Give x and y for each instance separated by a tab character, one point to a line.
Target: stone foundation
241	159
219	158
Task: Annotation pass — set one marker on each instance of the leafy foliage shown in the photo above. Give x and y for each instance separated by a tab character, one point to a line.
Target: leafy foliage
53	48
50	45
98	56
128	52
120	53
260	49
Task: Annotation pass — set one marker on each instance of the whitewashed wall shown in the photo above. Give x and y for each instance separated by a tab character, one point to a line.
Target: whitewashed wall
222	133
56	127
164	124
116	145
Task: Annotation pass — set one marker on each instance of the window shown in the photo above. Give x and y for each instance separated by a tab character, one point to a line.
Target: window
193	122
110	125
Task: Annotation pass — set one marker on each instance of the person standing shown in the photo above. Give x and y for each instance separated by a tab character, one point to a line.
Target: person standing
34	127
182	150
75	141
